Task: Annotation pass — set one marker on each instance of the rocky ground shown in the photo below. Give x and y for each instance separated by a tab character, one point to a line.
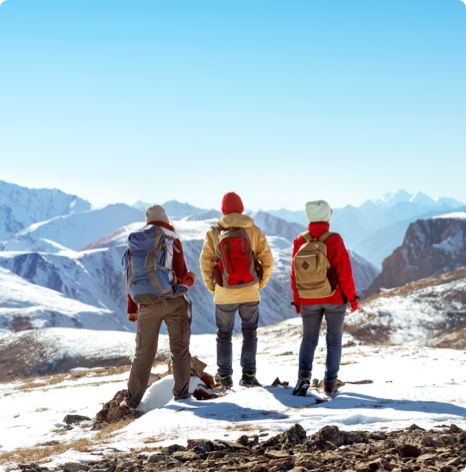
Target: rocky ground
330	449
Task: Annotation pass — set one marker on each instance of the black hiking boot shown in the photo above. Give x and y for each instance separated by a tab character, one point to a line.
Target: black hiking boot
249	380
224	380
303	384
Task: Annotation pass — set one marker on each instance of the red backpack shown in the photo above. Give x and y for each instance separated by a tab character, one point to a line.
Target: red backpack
237	266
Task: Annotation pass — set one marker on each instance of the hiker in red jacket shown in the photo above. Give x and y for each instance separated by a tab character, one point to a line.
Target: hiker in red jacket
174	310
322	284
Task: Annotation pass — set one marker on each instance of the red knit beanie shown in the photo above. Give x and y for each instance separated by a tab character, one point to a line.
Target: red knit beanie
232	203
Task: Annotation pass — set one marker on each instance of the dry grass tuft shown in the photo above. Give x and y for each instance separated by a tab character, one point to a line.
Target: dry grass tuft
246	427
109	430
40	454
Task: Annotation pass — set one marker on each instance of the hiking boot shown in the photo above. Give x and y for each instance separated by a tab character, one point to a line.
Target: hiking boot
249	380
224	380
302	386
330	386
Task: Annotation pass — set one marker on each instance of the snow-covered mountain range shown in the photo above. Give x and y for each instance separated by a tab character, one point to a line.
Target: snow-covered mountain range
79	256
375	228
76	256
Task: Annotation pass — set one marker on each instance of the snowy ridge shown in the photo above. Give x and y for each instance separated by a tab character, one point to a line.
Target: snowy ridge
21	206
78	230
416	313
458	215
24	305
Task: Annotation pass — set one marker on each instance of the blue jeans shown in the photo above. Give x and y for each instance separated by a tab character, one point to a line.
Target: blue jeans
225	319
312	318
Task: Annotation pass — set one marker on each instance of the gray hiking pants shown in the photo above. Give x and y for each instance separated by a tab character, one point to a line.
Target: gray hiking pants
176	316
312	318
225	319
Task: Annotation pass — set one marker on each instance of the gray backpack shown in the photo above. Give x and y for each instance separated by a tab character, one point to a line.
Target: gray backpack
312	268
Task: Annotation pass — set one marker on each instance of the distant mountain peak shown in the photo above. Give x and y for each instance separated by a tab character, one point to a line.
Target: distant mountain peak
391	198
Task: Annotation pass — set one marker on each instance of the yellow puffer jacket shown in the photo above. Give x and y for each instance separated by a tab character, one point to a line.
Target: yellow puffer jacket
260	247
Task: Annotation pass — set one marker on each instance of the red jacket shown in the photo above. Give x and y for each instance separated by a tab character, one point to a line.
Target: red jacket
339	260
179	266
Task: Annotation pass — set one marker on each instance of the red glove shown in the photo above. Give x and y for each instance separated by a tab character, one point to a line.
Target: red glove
296	307
354	305
132	310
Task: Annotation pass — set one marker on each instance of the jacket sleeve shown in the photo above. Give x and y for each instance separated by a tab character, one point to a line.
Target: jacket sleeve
179	265
296	245
264	254
339	259
207	261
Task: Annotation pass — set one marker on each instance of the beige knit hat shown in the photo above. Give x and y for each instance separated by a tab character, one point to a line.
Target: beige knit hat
156	213
318	210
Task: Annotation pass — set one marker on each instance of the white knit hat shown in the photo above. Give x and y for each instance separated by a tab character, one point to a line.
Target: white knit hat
156	213
318	210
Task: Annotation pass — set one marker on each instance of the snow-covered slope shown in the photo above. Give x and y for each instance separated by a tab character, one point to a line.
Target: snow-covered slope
419	312
33	413
430	247
78	230
51	350
24	305
21	206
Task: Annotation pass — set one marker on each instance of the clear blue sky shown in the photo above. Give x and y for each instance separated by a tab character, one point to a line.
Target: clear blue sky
282	101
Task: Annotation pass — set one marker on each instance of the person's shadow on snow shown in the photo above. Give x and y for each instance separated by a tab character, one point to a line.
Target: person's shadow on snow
346	400
224	411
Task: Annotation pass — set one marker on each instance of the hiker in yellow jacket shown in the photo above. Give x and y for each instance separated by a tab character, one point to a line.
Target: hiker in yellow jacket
236	263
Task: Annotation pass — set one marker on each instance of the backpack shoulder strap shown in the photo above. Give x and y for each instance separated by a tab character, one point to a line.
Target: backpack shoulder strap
306	236
325	236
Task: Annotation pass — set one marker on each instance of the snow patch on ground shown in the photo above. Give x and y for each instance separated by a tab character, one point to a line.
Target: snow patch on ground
410	385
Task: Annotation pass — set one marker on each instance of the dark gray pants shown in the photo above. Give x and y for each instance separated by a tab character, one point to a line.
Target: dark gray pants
312	318
225	318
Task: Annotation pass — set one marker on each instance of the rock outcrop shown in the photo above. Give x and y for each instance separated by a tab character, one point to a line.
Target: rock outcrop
430	247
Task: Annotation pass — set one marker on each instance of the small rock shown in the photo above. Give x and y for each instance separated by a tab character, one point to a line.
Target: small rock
277	454
454	462
427	458
332	435
408	450
184	456
415	427
277	383
175	447
75	419
243	440
455	429
74	467
155	458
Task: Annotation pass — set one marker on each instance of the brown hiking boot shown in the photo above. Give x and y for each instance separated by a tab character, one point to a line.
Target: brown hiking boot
330	386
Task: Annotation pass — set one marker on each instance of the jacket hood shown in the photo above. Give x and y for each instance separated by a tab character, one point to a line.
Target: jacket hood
167	228
318	229
236	220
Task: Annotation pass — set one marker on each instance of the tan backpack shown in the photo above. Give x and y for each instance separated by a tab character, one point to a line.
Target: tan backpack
312	268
